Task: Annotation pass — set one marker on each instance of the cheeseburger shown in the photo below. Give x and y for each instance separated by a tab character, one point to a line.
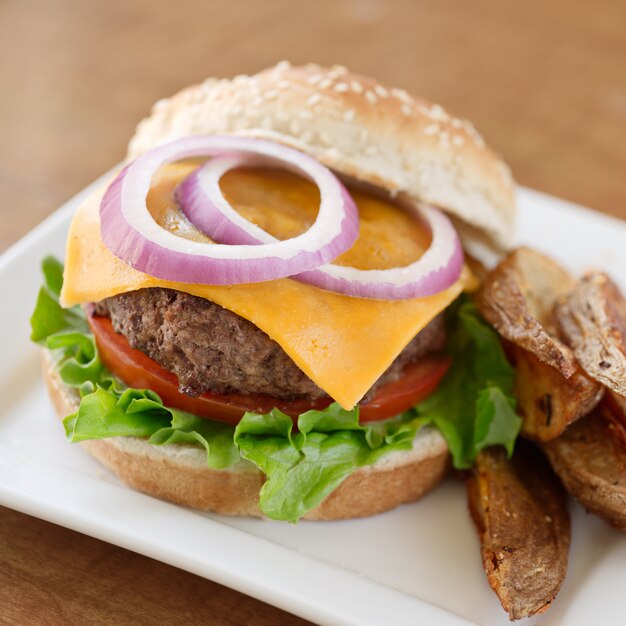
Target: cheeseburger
265	312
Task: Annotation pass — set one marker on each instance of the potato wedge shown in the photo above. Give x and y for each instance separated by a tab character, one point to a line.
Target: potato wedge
547	402
592	319
590	459
517	298
521	516
617	405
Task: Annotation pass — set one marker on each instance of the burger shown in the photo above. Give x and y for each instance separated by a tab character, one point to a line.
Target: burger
265	313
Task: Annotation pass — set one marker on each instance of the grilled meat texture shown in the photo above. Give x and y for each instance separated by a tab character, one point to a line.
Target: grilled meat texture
209	348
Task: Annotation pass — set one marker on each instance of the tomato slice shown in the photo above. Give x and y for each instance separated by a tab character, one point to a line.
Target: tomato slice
420	379
138	370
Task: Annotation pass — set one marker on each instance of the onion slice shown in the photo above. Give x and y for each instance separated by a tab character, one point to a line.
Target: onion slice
203	202
132	234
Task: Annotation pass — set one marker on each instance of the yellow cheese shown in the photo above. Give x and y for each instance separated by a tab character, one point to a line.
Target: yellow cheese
343	344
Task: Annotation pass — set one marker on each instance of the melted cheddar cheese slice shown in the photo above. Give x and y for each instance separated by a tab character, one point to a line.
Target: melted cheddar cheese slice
342	343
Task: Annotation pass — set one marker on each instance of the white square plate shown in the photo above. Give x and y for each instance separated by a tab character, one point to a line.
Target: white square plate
417	564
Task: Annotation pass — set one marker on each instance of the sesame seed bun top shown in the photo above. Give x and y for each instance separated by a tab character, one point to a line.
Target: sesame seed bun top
359	128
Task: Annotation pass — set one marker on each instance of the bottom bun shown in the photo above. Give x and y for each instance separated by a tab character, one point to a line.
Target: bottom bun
179	474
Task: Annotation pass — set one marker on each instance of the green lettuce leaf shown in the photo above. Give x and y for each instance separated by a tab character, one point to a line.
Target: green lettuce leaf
140	413
49	317
104	414
474	406
303	468
215	437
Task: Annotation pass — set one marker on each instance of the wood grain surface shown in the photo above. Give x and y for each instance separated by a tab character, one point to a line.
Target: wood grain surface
545	82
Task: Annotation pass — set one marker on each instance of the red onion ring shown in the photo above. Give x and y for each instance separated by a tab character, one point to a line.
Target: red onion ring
132	234
201	199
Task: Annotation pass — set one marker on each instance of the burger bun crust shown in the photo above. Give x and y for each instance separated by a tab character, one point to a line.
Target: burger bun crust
358	127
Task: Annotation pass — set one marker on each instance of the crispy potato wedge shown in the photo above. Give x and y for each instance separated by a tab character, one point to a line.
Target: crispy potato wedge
521	516
617	406
547	402
590	459
592	319
517	298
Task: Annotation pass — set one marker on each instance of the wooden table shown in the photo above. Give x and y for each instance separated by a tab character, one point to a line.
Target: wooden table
544	81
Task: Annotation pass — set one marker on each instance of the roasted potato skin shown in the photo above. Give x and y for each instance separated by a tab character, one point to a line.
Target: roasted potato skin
590	459
547	402
592	319
517	298
520	512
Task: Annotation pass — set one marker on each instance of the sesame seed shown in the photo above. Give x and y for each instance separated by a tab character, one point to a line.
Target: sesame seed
371	151
282	66
236	110
326	138
457	140
313	80
406	109
257	101
282	116
457	123
431	129
348	115
381	91
307	136
198	95
370	96
401	94
325	83
474	134
294	127
332	154
363	135
240	78
305	115
437	113
341	87
283	84
338	70
356	86
314	98
270	94
266	122
207	89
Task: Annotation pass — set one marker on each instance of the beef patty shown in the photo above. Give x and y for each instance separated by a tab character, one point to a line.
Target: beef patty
209	348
